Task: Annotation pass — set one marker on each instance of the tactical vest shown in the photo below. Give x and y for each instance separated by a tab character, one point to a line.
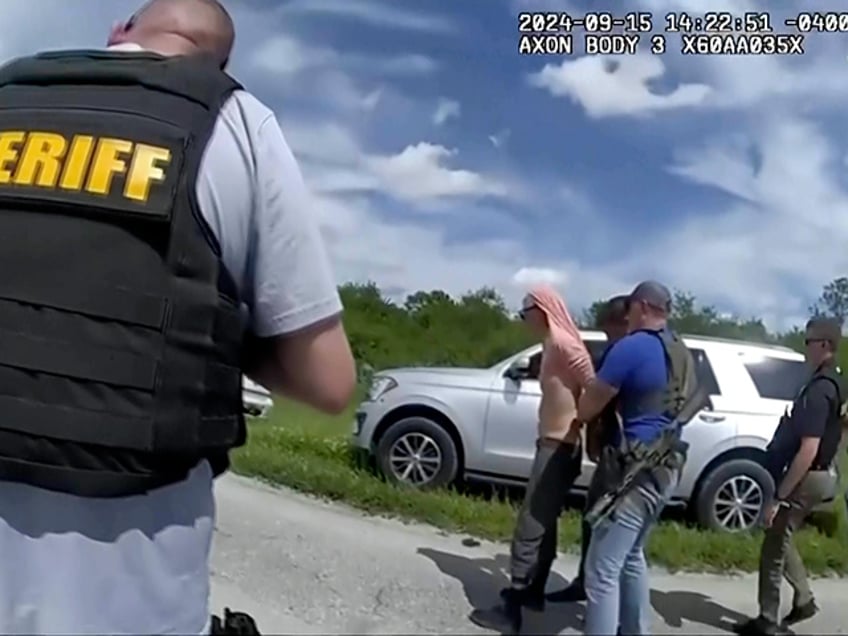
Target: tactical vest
120	330
784	445
682	378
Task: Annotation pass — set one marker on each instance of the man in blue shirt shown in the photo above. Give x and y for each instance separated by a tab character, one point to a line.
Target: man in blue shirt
636	371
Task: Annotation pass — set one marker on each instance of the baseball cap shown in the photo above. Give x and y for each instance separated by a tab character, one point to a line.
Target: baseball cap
653	293
826	329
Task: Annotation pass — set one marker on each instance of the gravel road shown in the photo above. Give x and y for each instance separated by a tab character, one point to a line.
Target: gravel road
301	566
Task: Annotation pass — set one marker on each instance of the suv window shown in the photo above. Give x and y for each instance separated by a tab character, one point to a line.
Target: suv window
705	371
535	366
596	349
777	379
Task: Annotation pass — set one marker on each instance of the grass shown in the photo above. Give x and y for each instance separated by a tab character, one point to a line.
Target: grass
307	451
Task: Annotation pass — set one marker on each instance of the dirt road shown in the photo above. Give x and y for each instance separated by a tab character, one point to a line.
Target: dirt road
303	566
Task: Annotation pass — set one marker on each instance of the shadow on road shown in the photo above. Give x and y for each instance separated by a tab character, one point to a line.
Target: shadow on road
677	606
482	580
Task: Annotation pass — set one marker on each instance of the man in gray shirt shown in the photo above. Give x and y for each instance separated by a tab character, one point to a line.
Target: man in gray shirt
140	564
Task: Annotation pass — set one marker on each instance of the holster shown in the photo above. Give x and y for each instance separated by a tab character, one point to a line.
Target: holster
234	624
625	470
610	467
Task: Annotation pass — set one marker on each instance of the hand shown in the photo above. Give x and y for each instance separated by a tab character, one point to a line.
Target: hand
770	513
573	434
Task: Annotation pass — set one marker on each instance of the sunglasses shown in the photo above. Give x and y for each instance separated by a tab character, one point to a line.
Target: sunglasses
810	341
523	313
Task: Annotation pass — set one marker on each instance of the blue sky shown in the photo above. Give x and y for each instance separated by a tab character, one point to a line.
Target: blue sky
441	158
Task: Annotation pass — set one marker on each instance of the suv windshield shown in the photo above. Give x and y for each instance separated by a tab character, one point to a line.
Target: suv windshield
777	378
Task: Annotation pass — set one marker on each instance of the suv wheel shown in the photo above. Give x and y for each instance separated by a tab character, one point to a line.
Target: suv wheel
418	452
732	496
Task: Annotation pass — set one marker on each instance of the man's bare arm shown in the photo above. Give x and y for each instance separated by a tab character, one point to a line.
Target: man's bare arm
314	366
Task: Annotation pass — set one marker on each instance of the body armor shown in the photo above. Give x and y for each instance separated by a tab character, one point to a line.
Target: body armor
682	379
785	443
120	330
660	461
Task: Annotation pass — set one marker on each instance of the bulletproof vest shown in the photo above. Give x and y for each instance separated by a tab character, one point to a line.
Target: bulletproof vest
682	378
120	330
785	442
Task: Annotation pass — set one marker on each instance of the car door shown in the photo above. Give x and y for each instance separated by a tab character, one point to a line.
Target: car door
509	441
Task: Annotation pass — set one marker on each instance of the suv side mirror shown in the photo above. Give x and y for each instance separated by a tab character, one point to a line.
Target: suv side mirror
518	370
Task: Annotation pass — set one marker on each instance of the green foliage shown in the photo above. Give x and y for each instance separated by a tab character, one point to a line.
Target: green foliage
431	328
833	301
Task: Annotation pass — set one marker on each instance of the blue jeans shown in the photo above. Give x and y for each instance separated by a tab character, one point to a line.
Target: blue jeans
617	589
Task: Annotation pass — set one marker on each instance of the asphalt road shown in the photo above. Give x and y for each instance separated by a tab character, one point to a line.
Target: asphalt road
303	566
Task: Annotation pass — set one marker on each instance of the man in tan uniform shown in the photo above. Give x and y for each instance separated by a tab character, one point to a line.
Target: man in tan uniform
566	368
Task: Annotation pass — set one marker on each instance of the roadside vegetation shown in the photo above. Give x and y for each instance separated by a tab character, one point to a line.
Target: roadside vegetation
301	449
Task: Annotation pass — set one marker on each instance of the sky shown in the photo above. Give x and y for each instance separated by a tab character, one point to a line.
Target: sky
440	158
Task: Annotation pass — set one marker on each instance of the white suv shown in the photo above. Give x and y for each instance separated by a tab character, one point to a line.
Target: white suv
431	426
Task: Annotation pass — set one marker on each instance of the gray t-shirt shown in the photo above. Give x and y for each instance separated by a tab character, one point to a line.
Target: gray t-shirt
141	564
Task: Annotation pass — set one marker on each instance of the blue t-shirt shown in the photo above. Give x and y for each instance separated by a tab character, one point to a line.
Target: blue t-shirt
636	366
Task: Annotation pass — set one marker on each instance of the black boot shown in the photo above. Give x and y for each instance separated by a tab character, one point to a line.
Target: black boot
757	627
504	618
533	597
801	613
573	593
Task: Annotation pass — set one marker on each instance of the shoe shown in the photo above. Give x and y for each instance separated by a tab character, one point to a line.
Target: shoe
532	598
573	593
504	618
756	627
801	613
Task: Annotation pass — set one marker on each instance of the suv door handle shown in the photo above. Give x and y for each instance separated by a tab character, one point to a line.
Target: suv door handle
711	417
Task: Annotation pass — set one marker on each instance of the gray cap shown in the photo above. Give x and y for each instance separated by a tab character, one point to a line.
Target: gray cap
653	293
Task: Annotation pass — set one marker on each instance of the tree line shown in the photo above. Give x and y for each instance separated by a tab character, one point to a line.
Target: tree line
477	329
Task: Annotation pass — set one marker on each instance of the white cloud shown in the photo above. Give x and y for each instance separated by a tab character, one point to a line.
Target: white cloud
374	13
611	86
419	172
500	138
715	81
410	64
529	276
786	225
446	109
287	55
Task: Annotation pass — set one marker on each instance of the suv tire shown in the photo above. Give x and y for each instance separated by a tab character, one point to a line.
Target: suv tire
744	479
438	456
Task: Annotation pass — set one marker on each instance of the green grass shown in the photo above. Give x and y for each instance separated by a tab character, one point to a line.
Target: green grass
307	451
